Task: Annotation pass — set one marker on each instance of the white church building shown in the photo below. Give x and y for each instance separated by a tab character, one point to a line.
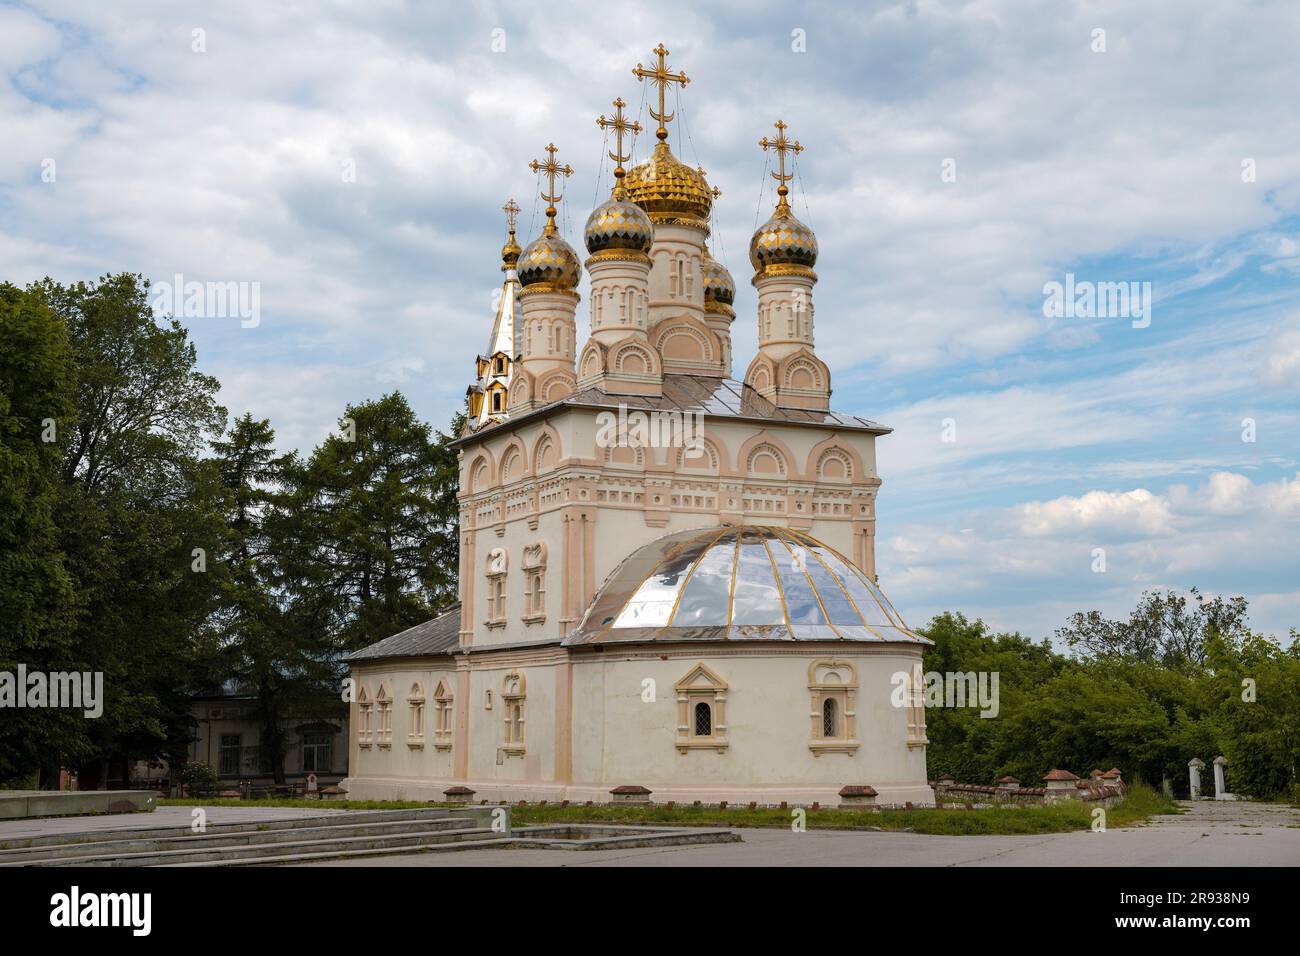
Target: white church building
667	575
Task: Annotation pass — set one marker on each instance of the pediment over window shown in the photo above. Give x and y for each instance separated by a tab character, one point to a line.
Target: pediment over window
700	678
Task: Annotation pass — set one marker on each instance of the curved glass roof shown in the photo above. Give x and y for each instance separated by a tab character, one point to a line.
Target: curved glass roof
751	583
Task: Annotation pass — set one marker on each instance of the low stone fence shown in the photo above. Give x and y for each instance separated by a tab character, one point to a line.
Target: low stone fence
1106	788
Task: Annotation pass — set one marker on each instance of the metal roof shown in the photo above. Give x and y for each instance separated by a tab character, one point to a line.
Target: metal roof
440	635
690	394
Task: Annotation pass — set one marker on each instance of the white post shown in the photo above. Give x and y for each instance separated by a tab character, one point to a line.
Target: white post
1220	788
1194	767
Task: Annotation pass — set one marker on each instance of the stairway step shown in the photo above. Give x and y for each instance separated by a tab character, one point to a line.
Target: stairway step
325	818
255	851
497	840
201	841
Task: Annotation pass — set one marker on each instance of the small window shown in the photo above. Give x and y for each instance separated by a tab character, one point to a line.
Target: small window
230	749
830	724
496	401
703	720
316	752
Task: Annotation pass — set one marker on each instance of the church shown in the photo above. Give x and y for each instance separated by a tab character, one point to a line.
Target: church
689	609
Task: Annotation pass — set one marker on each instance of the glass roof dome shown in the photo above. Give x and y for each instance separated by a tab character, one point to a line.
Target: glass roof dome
754	583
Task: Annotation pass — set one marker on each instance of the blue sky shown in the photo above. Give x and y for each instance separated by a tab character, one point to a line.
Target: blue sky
1119	165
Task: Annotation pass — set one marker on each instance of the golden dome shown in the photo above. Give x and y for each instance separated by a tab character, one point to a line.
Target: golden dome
618	224
510	253
782	241
719	287
668	189
549	263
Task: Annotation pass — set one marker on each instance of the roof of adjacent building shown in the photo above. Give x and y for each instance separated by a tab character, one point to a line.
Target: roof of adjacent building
1059	775
690	394
440	635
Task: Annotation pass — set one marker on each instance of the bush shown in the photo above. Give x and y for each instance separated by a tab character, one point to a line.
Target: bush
199	779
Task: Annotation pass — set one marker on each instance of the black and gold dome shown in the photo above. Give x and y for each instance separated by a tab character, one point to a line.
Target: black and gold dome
782	241
719	287
618	225
668	189
549	263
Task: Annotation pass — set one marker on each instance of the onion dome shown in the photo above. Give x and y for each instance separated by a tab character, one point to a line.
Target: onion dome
510	253
754	583
719	287
618	225
668	189
549	262
782	242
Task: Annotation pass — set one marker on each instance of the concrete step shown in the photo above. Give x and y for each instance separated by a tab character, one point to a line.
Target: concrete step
113	846
328	818
321	847
292	858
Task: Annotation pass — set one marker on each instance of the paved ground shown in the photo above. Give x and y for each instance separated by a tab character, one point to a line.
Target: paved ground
161	817
1210	834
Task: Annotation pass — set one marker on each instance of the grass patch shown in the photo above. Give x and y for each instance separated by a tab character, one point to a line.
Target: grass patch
1141	803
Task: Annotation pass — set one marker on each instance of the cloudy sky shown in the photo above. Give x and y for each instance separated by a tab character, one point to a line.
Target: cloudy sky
351	158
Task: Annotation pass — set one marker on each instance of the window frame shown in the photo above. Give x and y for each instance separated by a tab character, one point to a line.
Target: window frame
701	685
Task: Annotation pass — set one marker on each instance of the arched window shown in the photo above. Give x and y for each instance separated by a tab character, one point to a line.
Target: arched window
830	722
415	735
701	711
365	732
833	691
384	716
703	720
514	690
442	716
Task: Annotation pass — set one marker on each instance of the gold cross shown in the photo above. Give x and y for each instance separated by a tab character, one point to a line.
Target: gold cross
661	78
620	125
511	209
782	145
550	169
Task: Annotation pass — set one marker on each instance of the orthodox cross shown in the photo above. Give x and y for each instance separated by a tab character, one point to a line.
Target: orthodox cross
550	169
511	209
661	77
620	126
782	145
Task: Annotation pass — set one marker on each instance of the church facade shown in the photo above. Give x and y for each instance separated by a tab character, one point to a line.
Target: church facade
667	575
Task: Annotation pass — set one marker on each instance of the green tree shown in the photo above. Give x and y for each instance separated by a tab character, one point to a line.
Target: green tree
267	641
37	382
374	526
139	515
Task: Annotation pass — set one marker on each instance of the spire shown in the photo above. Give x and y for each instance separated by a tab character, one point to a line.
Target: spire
550	169
489	395
661	77
781	145
620	126
510	251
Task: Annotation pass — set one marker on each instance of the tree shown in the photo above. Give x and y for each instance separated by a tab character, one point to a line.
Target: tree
265	642
139	515
1162	628
374	525
37	381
